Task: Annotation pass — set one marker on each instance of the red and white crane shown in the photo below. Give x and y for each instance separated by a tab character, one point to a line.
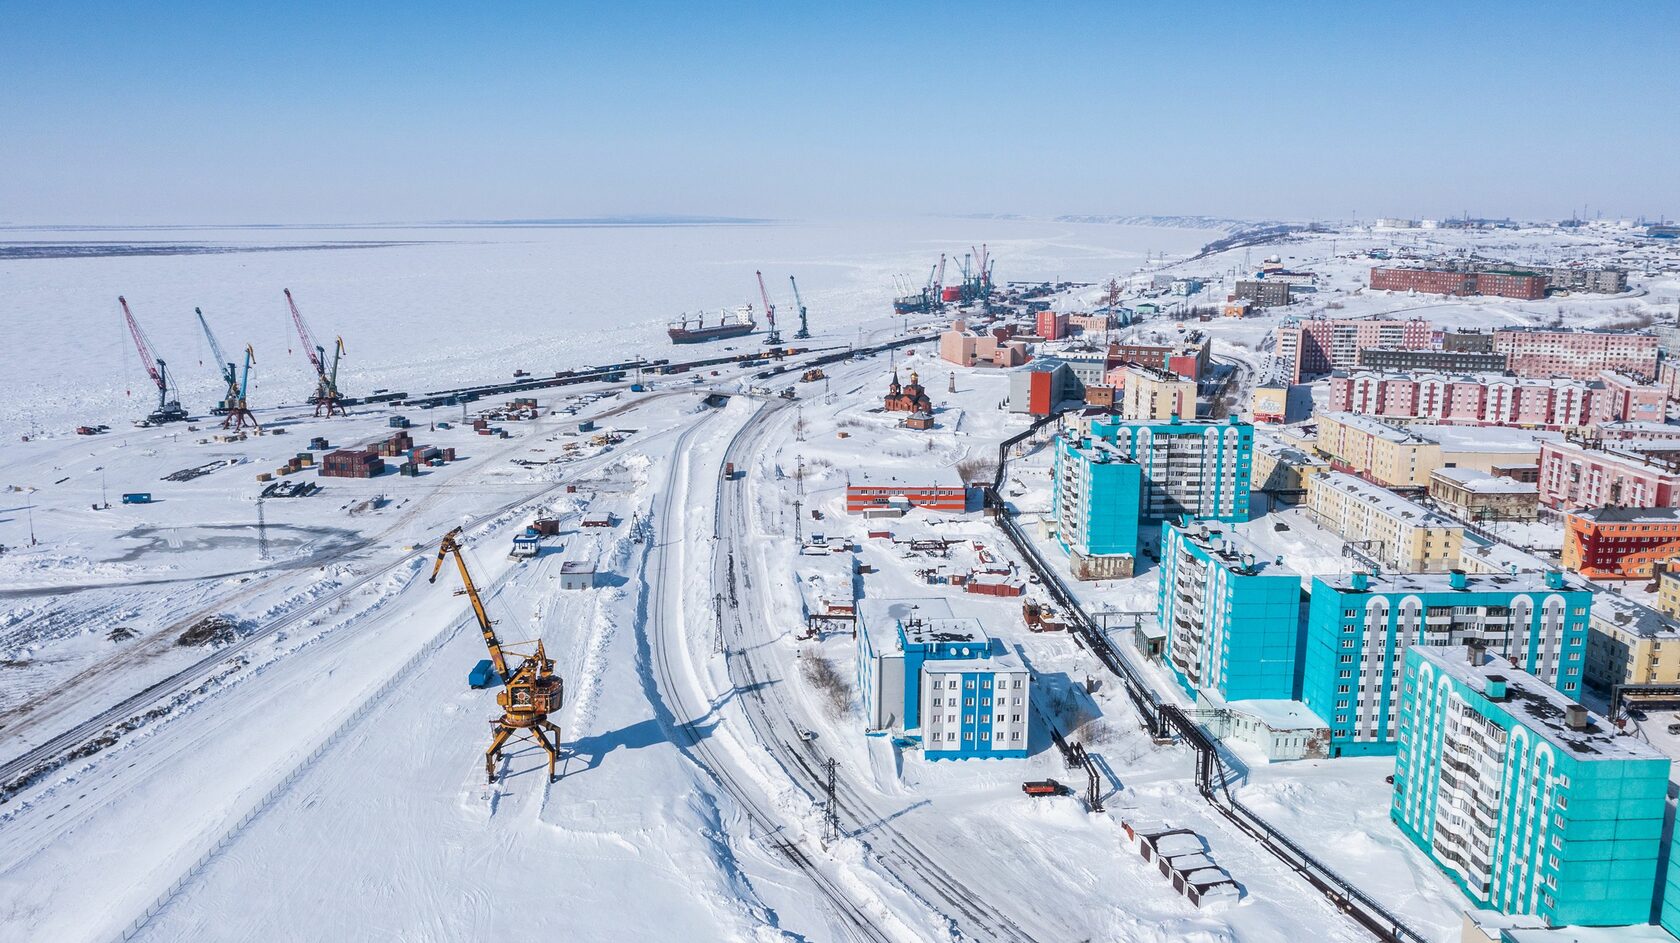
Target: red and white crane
327	400
168	410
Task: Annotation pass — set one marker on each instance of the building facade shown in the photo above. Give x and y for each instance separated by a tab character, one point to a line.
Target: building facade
1429	360
1397	456
1263	293
865	491
1310	348
1151	393
1232	615
1630	644
1399	534
1531	804
1525	402
1472	495
930	676
1579	354
1095	493
1359	628
1203	469
1501	283
1636	474
1620	543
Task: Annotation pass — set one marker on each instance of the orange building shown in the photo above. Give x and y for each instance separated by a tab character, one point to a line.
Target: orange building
1620	543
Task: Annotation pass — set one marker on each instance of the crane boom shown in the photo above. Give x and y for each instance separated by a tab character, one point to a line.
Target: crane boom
449	545
310	348
769	309
222	363
147	359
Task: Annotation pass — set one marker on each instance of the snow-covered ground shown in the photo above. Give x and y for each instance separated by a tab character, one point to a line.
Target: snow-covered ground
322	771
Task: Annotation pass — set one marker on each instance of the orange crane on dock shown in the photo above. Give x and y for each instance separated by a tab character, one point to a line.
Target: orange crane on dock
530	692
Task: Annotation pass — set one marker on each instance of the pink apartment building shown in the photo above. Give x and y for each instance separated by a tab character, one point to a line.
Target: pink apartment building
1554	403
1579	354
1308	348
1644	474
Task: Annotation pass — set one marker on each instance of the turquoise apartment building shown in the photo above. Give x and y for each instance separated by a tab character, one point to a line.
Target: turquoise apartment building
1232	615
1529	802
1203	469
1095	493
1359	628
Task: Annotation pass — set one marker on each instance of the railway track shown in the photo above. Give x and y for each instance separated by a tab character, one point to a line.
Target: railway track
682	716
966	913
28	767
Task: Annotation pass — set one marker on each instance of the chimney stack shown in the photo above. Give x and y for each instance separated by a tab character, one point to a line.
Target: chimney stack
1575	717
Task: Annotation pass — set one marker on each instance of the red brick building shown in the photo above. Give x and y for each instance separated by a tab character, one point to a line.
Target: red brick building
907	399
1501	283
867	491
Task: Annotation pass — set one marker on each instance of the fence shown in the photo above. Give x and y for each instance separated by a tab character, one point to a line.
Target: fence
233	832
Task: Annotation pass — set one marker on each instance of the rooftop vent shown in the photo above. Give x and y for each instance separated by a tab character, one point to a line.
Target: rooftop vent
1457	579
1575	717
1361	581
1554	579
1495	688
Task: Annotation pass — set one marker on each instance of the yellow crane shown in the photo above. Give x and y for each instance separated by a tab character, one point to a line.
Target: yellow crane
530	692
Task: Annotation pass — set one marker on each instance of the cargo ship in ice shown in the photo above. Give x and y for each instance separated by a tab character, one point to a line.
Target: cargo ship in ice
695	330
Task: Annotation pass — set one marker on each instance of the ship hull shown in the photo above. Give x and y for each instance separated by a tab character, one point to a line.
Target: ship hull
705	334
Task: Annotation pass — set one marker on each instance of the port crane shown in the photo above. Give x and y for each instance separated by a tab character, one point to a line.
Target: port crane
168	410
530	691
774	337
326	399
235	413
803	331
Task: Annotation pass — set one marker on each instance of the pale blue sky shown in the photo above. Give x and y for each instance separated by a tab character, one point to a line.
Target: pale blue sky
350	112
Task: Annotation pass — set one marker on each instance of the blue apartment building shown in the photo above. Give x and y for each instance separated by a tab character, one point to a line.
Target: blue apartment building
930	677
1360	626
1529	802
1232	615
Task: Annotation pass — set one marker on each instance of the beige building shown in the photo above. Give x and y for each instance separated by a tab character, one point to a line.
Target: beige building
1472	495
1407	456
1282	467
1151	393
1628	643
1400	535
1668	590
964	347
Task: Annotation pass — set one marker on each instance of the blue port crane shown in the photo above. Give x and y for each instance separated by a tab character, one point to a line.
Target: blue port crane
803	331
235	413
327	400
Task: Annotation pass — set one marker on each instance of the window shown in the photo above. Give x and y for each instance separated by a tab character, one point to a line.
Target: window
968	735
968	702
937	702
1017	686
1015	736
969	684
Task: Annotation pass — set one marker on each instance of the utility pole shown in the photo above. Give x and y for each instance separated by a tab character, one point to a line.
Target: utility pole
831	811
262	531
717	615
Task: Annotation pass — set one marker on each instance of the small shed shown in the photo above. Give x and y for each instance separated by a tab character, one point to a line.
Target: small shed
601	519
526	545
587	425
575	574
